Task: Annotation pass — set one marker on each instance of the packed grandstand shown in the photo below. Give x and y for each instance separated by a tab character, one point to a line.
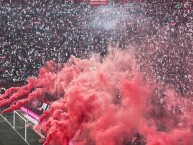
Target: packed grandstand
85	67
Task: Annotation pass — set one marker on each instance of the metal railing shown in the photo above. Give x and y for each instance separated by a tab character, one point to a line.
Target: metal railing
25	127
13	124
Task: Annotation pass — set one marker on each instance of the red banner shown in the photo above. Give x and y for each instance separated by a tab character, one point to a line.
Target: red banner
98	2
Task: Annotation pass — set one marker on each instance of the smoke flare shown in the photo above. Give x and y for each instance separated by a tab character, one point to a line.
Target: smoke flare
107	103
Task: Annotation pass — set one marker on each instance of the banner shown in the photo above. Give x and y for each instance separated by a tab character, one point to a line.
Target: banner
98	2
30	113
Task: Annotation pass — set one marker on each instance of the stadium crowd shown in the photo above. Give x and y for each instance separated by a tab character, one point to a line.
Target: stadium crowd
160	32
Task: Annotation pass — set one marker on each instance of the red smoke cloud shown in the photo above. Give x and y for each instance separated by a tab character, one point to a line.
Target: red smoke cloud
105	103
9	92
